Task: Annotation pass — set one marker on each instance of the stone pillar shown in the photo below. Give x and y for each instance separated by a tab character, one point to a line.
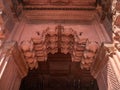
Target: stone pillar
12	67
19	60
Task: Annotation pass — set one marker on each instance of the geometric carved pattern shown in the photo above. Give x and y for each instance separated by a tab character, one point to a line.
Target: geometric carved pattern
110	79
114	83
104	72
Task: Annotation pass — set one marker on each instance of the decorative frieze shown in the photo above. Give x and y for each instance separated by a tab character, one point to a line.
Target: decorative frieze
61	2
59	15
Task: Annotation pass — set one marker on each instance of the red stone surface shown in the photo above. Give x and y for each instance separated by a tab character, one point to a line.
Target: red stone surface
117	22
118	6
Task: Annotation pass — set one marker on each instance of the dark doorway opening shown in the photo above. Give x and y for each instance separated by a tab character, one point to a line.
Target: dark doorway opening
59	73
